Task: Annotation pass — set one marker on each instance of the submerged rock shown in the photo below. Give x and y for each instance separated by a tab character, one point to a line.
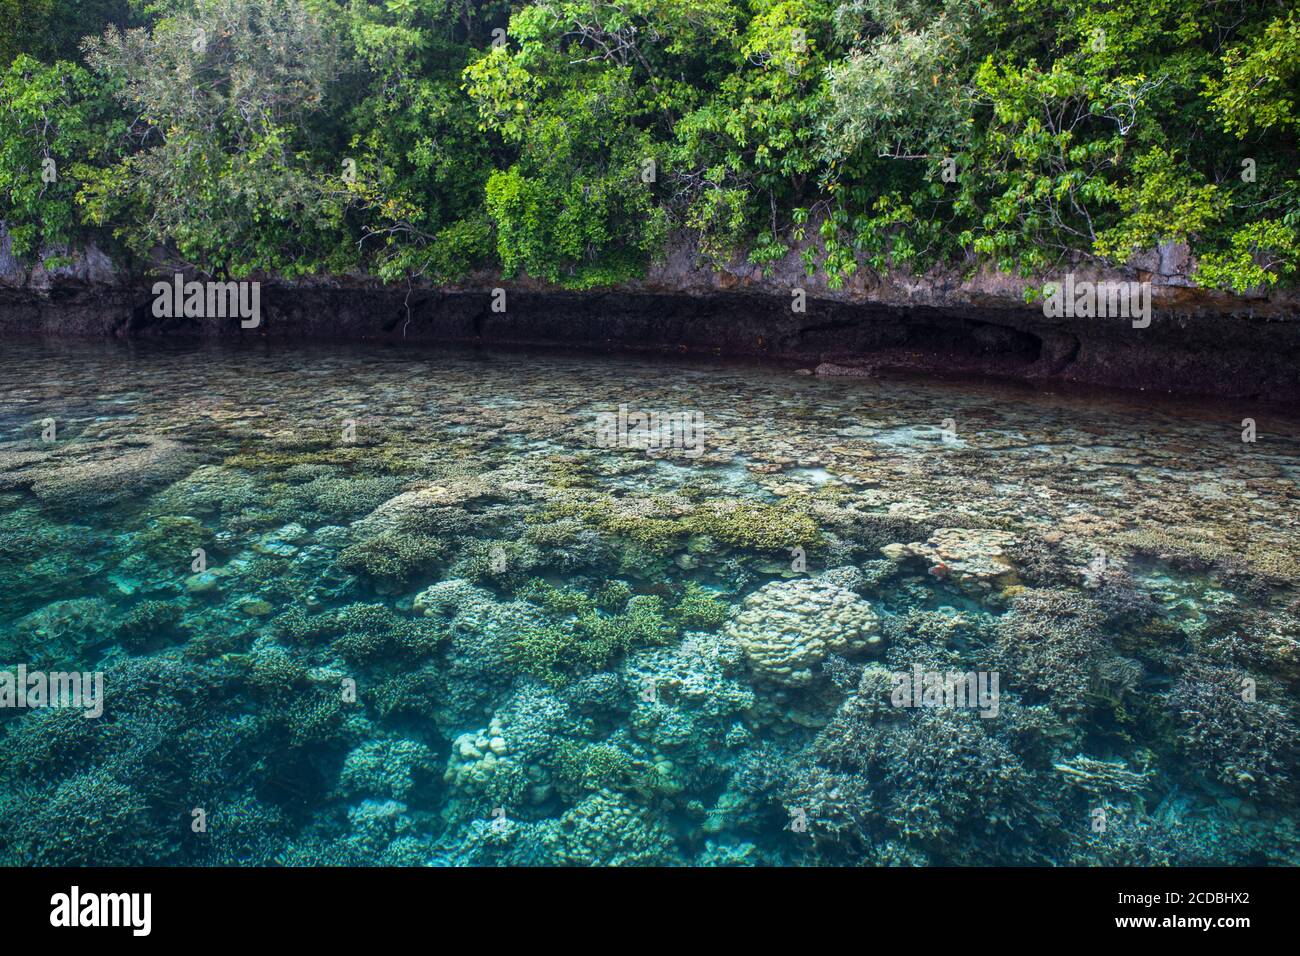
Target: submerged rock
282	542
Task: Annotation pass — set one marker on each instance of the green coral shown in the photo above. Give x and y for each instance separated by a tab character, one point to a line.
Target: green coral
613	595
656	535
313	717
392	557
759	527
752	525
171	539
600	766
299	627
592	641
607	829
700	608
1236	738
337	498
553	534
642	622
501	562
372	632
543	652
272	671
90	819
554	599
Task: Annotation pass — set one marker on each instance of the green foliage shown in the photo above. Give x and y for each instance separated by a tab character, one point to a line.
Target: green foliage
225	94
55	124
1258	254
1256	98
52	29
421	162
1166	201
574	208
1065	127
1260	84
409	139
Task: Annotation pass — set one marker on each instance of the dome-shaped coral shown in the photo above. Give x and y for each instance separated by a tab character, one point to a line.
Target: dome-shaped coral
787	628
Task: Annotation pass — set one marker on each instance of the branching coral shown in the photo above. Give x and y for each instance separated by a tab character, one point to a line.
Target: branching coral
392	558
1051	644
392	769
758	526
1236	738
373	631
333	497
149	625
554	652
593	766
933	780
90	819
700	608
1102	777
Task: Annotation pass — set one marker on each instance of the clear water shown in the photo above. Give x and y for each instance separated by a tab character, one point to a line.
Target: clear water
355	605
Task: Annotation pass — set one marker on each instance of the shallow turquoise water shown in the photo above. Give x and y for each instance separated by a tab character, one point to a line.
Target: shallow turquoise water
369	606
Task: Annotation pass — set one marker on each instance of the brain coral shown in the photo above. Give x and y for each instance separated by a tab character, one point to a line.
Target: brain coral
787	628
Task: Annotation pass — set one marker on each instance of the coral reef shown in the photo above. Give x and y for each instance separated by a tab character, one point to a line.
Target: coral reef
392	769
466	636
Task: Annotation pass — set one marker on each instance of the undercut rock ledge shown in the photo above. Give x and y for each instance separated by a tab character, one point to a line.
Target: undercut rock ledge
1199	342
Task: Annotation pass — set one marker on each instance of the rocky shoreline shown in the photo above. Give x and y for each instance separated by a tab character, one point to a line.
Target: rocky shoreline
1198	342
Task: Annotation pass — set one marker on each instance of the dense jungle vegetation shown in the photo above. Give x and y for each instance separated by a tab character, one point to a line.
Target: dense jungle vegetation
570	140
